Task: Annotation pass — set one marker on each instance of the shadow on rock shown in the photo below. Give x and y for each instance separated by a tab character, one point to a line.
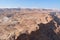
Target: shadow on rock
45	32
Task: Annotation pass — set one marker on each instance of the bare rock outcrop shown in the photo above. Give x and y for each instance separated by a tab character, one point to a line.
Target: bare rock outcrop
13	26
29	24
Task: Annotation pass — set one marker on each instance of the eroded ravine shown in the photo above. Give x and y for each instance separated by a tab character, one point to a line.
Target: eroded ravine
45	32
13	26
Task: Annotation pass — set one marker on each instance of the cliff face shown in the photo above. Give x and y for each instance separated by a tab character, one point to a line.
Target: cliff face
29	26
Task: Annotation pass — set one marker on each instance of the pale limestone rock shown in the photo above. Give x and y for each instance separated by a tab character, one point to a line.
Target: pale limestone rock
26	23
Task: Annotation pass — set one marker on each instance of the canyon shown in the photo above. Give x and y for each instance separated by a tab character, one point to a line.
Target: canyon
29	24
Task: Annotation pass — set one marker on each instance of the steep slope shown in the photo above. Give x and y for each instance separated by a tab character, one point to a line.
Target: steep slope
29	24
13	26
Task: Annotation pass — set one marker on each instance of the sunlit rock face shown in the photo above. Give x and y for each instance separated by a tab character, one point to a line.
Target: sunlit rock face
34	24
18	24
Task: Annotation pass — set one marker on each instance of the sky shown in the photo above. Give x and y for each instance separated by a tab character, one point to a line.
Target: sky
51	4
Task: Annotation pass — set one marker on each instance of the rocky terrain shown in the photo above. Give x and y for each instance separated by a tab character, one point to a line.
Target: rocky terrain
29	24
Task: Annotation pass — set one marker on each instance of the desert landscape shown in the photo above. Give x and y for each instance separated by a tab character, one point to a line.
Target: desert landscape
29	24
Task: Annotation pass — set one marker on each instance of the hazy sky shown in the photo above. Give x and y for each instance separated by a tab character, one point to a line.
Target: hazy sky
30	3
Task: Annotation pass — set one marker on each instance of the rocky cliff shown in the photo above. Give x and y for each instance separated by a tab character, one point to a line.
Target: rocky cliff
29	26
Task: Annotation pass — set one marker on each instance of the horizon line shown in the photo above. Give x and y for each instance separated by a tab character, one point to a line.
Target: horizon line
30	8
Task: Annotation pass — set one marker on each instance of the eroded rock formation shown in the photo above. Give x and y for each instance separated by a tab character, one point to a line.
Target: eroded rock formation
29	26
19	24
